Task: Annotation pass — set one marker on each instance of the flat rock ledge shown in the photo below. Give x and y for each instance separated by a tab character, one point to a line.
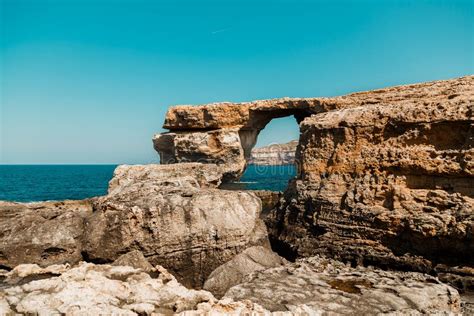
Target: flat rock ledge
317	284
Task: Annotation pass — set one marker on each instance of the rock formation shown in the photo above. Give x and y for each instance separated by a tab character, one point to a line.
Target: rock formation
187	229
316	284
203	133
388	183
385	179
44	233
173	214
311	286
269	200
275	154
135	259
235	270
95	289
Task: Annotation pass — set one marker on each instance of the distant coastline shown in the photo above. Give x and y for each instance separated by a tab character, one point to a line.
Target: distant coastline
274	154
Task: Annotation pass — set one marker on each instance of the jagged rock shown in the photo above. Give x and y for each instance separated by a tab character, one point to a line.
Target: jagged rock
188	230
221	147
275	154
134	259
99	289
386	184
269	199
44	233
90	289
460	277
24	273
233	272
311	286
229	307
318	285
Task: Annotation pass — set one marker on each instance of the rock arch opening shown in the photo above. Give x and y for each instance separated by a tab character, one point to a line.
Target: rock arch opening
225	133
271	162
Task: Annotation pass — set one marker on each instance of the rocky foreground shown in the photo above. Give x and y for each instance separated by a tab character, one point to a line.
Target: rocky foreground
379	220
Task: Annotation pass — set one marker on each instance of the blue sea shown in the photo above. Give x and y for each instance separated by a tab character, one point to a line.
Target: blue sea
28	183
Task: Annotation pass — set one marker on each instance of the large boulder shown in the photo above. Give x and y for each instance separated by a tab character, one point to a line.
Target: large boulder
44	233
234	271
317	285
196	175
188	229
134	259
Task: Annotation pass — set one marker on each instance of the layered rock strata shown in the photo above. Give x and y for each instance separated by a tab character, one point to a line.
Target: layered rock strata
173	214
386	184
201	133
385	177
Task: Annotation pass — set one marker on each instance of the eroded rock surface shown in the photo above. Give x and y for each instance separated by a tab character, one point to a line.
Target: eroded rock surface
196	175
317	284
172	214
269	199
312	286
189	230
96	289
386	184
196	132
134	259
234	271
44	233
221	147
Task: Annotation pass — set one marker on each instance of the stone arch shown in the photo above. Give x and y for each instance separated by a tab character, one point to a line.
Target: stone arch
225	133
258	120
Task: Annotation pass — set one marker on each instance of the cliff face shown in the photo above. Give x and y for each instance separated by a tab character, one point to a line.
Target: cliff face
275	154
387	183
386	177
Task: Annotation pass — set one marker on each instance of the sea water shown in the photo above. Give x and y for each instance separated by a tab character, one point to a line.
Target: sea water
29	183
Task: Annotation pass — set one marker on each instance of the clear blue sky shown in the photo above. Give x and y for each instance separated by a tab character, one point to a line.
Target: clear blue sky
90	81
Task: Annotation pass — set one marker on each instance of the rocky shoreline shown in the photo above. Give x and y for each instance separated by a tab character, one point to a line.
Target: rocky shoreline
379	220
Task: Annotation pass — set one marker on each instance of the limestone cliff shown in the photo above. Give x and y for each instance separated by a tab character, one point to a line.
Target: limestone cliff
225	133
388	183
385	177
275	154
